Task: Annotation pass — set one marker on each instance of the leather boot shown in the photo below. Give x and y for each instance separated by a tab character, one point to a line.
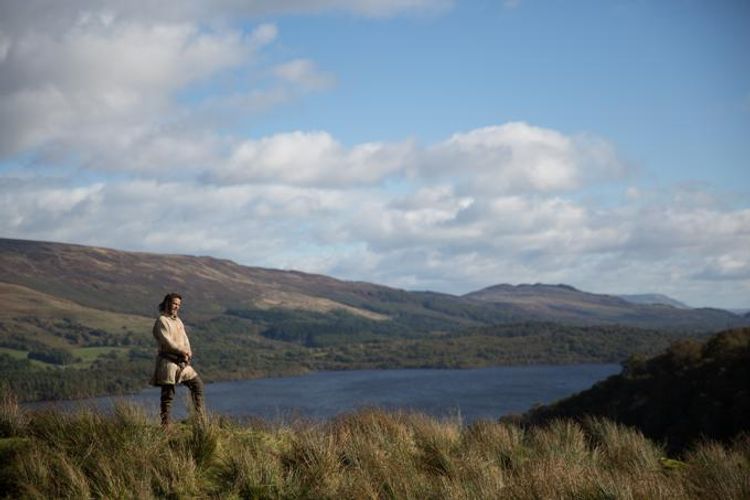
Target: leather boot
196	393
167	396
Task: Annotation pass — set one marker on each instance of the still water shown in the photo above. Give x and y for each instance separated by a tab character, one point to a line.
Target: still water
478	393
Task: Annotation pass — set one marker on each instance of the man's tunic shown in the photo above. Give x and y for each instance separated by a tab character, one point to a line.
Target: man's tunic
170	334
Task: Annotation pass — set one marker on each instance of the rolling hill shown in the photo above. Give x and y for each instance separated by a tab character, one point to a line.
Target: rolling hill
563	303
132	283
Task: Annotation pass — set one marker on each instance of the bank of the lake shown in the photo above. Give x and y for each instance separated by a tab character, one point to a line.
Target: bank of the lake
472	394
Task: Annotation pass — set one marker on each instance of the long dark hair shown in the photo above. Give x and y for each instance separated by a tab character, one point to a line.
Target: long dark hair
168	300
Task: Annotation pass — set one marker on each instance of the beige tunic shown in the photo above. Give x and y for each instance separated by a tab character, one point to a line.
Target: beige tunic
170	334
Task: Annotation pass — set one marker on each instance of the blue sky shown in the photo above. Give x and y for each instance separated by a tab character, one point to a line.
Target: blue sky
423	144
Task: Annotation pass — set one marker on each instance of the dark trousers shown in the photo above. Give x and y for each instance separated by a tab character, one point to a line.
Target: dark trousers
167	397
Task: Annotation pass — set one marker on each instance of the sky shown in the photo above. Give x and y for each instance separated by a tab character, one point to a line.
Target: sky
421	144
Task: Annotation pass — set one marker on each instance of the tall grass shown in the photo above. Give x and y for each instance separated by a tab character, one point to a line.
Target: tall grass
365	454
12	419
713	470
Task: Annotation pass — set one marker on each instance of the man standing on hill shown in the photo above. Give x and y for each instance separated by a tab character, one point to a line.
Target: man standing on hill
173	360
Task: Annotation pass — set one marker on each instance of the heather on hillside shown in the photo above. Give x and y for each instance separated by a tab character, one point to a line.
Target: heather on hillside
366	454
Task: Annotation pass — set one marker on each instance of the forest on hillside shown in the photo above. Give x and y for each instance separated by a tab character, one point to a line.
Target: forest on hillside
692	391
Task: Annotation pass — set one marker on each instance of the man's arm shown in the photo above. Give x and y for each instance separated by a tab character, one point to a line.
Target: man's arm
189	352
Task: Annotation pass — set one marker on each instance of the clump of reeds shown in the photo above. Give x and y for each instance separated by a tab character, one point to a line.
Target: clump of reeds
369	453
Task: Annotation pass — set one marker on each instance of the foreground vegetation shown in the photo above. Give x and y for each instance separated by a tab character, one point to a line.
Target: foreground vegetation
366	454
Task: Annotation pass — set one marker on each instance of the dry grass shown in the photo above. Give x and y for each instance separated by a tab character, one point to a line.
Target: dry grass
366	454
715	471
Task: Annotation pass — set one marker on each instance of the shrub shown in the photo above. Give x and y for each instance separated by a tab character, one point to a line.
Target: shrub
53	356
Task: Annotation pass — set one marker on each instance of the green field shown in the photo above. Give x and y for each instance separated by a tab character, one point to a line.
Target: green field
14	353
90	354
20	354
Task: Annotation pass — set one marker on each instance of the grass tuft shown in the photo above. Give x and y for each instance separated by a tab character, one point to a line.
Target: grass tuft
13	419
719	472
623	448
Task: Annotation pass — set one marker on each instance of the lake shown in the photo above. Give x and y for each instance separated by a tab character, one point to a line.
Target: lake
477	393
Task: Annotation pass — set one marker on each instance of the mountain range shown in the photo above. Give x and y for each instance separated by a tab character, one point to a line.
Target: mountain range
131	283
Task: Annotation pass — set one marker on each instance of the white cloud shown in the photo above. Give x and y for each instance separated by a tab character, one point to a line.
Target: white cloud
310	158
51	15
520	157
178	216
730	266
99	92
133	86
263	35
511	158
304	73
118	85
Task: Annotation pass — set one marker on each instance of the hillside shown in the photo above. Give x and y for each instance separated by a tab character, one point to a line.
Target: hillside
692	391
564	303
132	282
654	298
